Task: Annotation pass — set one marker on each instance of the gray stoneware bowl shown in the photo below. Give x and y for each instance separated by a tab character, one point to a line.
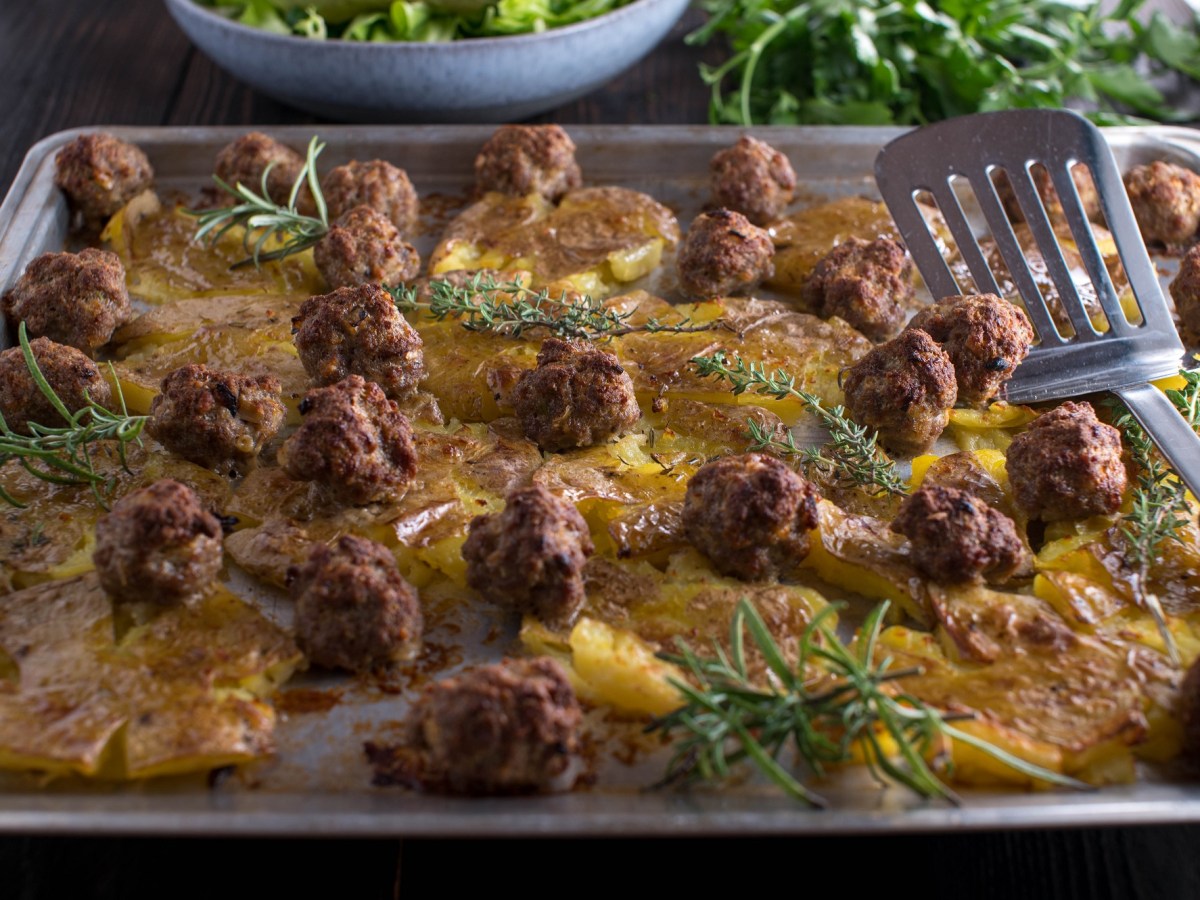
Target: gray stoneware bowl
477	80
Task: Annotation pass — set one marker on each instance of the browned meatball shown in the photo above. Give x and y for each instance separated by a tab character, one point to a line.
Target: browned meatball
1067	465
530	557
904	389
577	396
99	174
219	420
359	331
1166	201
986	337
956	538
527	159
247	159
158	545
72	375
752	178
354	610
377	184
1089	197
363	247
1185	290
750	515
354	441
509	728
866	283
723	254
77	299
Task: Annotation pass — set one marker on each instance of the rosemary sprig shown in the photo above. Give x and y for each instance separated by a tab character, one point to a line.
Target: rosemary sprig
264	220
63	455
851	459
728	719
511	309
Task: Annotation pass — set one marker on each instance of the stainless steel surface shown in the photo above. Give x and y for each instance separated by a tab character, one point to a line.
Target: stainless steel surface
320	785
1118	354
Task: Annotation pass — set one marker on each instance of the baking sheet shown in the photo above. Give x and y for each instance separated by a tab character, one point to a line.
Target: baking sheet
320	782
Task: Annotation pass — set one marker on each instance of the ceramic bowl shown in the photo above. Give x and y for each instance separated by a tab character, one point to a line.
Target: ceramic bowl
477	80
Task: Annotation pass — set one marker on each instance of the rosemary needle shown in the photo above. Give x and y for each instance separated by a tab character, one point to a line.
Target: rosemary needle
63	455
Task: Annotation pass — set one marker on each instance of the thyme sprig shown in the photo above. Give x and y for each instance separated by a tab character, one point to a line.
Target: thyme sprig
264	220
511	309
854	710
63	455
852	458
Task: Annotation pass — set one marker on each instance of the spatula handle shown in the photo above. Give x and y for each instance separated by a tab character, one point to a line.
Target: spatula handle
1169	430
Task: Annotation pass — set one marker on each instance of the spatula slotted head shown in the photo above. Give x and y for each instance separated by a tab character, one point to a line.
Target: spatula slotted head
1078	351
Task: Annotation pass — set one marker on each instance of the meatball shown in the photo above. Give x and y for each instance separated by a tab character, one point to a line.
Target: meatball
1185	290
245	161
158	545
99	174
219	420
904	389
577	396
1089	197
723	254
377	184
530	557
72	375
985	336
354	610
1166	201
77	299
359	331
956	538
750	515
354	441
752	178
509	728
527	159
866	283
1067	465
364	247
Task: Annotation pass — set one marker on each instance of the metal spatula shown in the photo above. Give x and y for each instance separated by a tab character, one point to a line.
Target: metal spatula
1119	355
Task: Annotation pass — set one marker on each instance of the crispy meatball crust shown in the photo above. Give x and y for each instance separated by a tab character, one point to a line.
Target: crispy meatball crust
100	173
986	337
359	331
508	728
1185	290
956	538
1067	465
904	389
752	178
158	545
219	420
364	247
750	515
77	299
530	557
244	160
577	396
72	375
723	254
1089	197
377	184
865	283
354	441
354	610
526	159
1166	201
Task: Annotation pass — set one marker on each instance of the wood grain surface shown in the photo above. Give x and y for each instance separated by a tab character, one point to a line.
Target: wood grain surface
68	63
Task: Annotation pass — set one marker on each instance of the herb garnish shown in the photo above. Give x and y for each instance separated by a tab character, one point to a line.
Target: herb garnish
850	713
264	220
63	455
851	459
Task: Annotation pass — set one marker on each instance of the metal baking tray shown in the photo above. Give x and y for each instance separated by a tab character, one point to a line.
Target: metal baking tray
320	783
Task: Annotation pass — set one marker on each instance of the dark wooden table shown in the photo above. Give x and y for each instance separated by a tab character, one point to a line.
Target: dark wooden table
67	63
